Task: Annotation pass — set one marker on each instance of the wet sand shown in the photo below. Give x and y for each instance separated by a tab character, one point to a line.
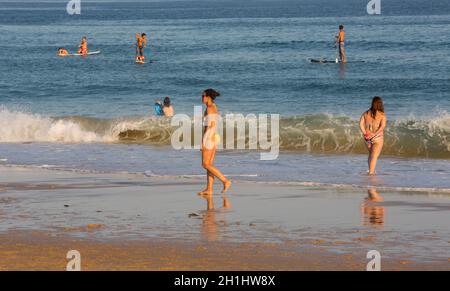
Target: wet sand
133	222
23	250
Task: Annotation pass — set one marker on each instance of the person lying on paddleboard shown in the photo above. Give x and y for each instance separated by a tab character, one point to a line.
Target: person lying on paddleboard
340	40
83	48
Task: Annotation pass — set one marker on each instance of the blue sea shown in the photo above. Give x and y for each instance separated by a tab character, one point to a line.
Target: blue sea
96	113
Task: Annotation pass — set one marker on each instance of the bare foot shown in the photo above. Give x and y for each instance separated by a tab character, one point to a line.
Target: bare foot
226	185
205	192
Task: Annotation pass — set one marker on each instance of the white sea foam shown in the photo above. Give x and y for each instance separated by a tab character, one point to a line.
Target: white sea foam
318	133
26	127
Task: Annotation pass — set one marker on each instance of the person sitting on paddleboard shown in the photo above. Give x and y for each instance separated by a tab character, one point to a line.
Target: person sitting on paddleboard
340	40
62	52
83	48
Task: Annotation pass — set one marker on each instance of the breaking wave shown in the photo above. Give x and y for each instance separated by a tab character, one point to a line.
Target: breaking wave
320	133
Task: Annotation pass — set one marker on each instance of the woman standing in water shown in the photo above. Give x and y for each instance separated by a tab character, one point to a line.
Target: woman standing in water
372	125
209	143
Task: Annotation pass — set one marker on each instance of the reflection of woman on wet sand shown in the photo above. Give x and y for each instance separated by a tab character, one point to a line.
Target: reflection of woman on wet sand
209	143
209	225
373	213
372	125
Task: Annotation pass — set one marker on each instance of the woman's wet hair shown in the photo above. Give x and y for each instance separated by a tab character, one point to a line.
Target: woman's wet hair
341	26
167	101
143	35
377	105
213	94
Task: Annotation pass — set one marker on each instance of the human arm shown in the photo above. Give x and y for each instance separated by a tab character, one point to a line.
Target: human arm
362	124
209	126
380	130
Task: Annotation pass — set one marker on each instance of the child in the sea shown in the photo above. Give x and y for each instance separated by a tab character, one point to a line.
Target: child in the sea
159	108
164	108
83	48
167	107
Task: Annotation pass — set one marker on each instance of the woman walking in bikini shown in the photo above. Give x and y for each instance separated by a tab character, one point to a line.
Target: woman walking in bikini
209	143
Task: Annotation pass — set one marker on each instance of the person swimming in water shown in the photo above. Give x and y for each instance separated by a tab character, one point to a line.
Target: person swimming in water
340	41
209	143
83	48
372	125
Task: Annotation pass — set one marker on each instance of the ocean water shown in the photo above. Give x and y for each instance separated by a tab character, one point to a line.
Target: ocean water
96	113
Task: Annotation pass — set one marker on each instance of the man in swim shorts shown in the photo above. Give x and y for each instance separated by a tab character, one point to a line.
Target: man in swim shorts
340	40
141	43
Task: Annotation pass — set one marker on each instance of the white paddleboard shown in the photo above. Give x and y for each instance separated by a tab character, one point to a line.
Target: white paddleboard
88	54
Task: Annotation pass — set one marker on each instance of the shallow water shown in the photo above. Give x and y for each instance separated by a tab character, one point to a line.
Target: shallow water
424	175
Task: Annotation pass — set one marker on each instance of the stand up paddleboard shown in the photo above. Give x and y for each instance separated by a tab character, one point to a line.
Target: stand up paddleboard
88	54
325	61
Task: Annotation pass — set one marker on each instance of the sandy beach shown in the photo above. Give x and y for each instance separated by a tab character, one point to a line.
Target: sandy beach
134	222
